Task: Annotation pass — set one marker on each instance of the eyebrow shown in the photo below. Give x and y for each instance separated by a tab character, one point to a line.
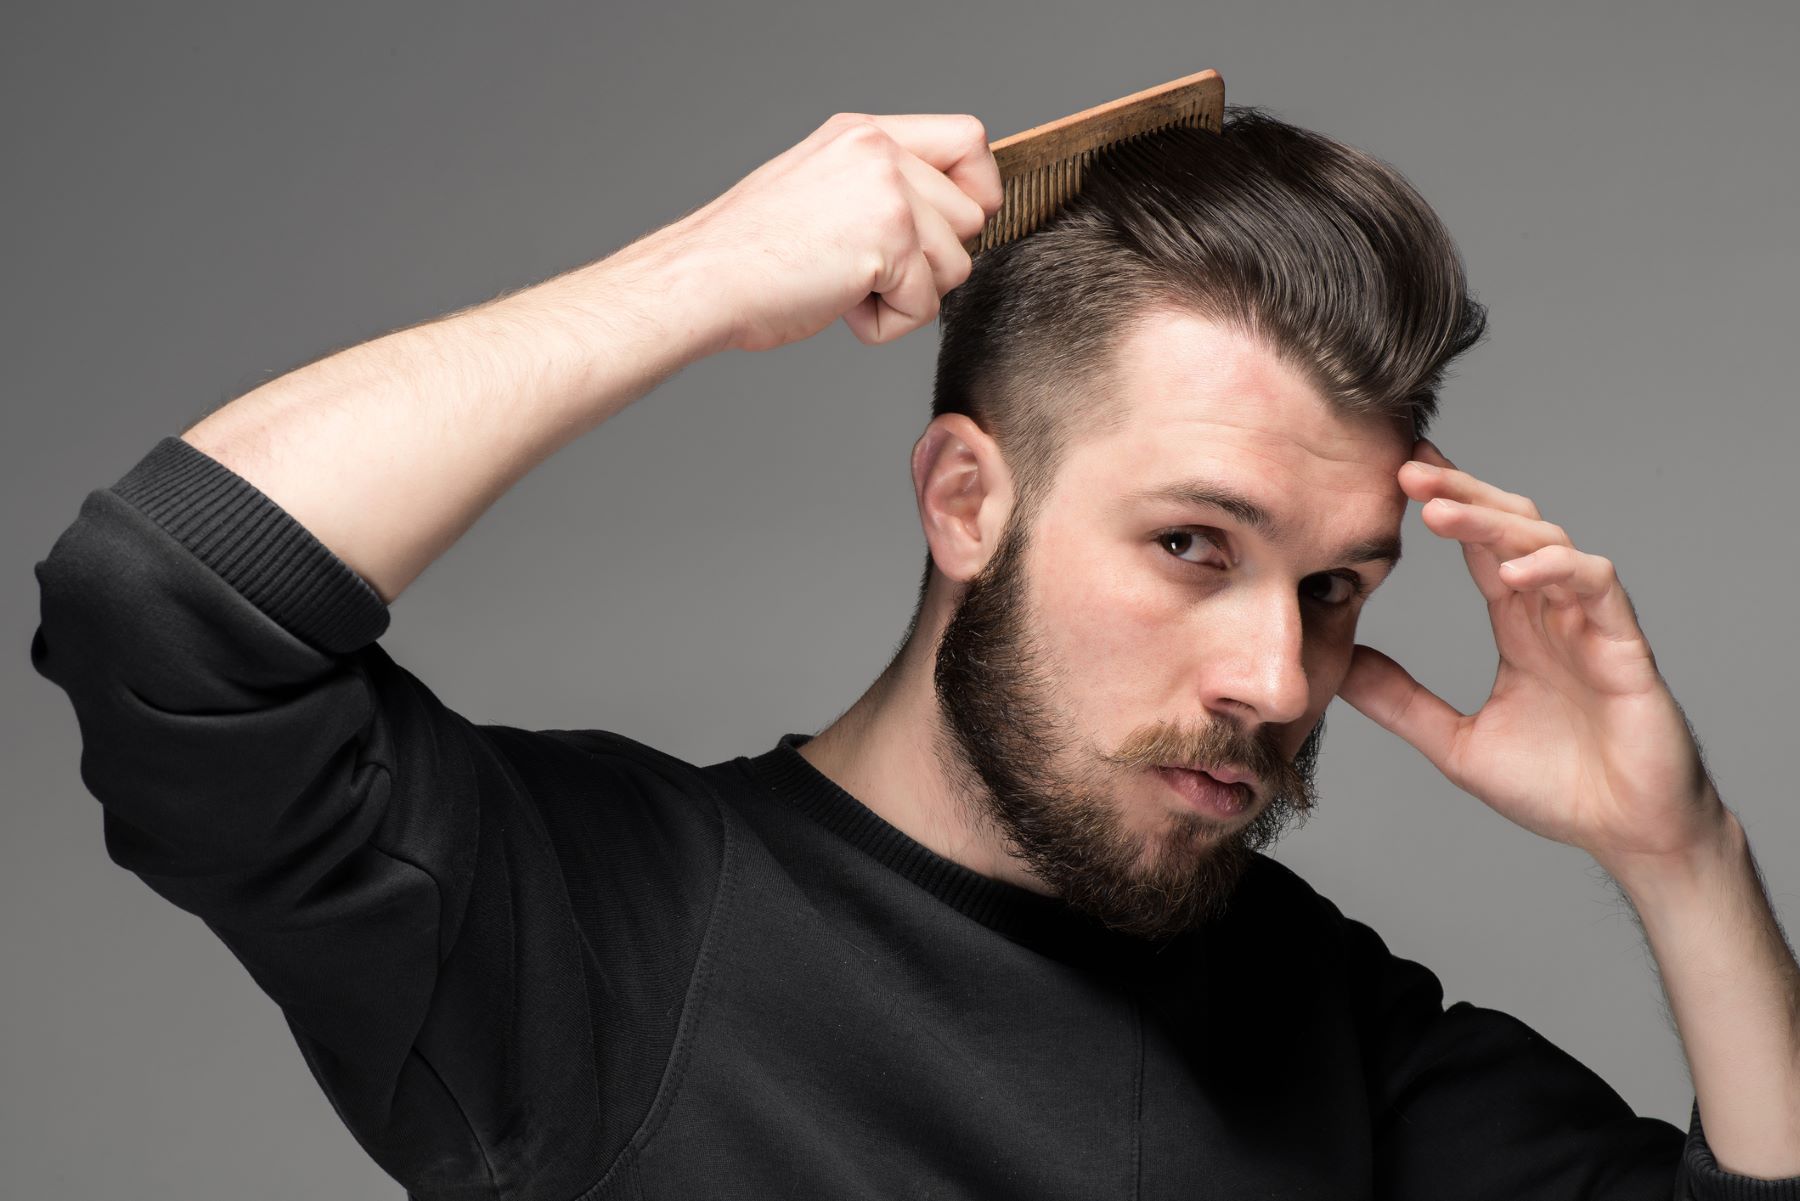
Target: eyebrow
1209	494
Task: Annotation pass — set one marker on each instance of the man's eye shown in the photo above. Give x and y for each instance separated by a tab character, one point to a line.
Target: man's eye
1352	588
1186	538
1177	542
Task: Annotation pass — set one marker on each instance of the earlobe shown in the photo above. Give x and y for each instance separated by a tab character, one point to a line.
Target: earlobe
955	467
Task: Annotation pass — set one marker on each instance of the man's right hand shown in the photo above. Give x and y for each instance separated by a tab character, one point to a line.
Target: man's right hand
388	451
865	220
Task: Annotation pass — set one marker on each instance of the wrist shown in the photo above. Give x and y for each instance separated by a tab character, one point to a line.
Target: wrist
670	278
603	334
1653	881
648	300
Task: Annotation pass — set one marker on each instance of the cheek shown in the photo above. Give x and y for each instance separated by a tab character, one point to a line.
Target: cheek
1328	649
1117	630
1327	660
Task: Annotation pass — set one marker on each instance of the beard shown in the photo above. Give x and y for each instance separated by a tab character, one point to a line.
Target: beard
1049	798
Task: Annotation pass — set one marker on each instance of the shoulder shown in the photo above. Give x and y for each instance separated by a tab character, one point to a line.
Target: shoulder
610	746
604	750
603	772
1271	889
1275	905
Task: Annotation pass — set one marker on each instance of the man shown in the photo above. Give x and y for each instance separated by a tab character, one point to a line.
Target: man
1003	929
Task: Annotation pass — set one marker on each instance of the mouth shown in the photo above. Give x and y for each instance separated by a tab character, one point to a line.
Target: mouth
1224	774
1205	792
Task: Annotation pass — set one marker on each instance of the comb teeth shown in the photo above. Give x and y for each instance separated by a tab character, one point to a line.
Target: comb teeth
1031	199
1042	168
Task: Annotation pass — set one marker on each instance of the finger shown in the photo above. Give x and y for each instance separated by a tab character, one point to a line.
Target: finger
1427	451
1386	693
1576	577
904	295
1482	562
1484	570
911	301
1507	535
1422	481
965	216
941	245
954	143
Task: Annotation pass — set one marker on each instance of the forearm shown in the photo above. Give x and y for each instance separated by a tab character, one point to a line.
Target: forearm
1734	990
390	450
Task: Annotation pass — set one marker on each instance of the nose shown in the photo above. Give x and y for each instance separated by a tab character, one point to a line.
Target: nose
1258	660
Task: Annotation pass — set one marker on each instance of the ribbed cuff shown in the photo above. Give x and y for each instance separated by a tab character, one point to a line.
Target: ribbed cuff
278	564
1704	1180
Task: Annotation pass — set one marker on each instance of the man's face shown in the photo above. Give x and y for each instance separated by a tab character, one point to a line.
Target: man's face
1132	626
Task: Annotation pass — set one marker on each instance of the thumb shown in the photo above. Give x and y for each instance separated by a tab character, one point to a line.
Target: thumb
1386	693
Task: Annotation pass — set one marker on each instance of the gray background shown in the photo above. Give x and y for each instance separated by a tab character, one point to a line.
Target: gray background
201	197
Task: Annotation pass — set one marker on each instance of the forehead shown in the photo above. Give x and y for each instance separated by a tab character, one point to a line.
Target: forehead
1201	399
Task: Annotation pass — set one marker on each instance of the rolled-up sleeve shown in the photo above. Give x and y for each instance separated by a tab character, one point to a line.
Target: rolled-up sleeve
368	854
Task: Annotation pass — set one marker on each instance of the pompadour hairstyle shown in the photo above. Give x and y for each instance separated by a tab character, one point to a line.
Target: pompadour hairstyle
1323	253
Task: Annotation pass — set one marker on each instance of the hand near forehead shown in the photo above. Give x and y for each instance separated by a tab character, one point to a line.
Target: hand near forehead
1580	740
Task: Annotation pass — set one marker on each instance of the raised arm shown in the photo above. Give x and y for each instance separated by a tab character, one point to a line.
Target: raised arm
401	881
390	450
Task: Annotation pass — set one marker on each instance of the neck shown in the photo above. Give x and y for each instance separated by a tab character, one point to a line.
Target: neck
884	751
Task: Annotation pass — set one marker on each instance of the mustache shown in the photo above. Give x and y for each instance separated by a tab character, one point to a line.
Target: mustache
1214	745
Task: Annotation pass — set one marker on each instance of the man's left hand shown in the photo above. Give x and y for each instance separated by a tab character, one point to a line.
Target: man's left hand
1580	740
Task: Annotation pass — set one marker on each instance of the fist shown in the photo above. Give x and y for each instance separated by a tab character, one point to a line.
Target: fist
865	220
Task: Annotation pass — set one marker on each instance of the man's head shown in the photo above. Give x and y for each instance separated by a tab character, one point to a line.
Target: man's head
1158	480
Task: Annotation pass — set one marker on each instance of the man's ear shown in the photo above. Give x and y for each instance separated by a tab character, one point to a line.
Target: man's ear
964	492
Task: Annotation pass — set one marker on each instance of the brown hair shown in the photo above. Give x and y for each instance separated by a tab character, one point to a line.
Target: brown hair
1321	251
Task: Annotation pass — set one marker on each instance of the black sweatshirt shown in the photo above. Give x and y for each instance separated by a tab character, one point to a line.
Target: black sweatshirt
560	965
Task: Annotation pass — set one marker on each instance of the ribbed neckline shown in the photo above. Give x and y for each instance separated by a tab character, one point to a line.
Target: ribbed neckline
1045	923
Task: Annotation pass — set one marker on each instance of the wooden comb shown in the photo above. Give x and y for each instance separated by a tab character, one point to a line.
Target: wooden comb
1041	168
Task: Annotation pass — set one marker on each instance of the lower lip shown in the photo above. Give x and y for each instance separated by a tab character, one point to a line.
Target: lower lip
1205	793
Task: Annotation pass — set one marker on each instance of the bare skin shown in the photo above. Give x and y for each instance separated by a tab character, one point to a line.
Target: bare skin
861	221
1134	632
390	450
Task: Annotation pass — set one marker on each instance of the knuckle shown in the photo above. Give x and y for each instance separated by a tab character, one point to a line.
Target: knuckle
961	266
872	267
828	130
974	130
895	215
889	175
861	133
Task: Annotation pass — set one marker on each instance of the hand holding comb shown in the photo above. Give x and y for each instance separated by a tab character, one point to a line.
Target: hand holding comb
1042	167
